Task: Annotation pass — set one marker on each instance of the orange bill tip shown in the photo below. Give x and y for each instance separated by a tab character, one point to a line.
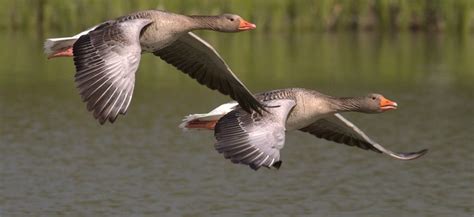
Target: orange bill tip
246	25
386	104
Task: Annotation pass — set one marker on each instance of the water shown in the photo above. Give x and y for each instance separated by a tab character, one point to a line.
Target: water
57	161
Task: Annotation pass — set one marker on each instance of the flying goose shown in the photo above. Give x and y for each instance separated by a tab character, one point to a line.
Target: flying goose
107	56
256	140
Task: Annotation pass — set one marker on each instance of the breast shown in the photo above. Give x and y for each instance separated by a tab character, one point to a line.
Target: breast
161	33
152	40
307	111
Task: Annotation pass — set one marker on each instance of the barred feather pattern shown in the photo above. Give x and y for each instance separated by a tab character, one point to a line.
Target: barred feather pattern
106	60
252	139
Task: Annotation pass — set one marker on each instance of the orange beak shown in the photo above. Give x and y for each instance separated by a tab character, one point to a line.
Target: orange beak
386	104
246	25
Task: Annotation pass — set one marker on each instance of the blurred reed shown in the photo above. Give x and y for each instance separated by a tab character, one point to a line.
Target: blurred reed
270	15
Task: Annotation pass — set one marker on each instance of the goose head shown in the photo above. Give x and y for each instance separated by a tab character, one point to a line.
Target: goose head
233	23
376	103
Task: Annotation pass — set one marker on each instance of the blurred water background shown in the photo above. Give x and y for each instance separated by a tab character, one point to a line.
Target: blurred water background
56	160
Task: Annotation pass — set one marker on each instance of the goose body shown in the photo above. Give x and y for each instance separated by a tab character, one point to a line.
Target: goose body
256	140
107	56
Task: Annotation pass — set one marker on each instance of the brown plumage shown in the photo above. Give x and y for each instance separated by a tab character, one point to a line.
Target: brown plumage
107	57
256	140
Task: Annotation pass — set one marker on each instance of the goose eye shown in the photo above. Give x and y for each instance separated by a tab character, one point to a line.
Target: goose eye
373	98
231	19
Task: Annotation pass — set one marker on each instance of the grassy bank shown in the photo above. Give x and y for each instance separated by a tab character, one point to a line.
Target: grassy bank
270	15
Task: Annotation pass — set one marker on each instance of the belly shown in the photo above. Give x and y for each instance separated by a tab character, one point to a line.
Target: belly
301	117
151	45
296	123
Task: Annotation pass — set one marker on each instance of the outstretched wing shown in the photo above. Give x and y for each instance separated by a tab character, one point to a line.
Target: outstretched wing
251	139
338	129
195	57
106	60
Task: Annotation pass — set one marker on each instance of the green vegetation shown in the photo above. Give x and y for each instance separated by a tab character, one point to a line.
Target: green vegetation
270	15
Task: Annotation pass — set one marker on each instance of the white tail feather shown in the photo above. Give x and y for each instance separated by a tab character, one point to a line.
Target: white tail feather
53	45
215	114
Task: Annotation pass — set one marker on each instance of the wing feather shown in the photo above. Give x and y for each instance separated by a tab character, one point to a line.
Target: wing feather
338	129
251	139
106	60
195	57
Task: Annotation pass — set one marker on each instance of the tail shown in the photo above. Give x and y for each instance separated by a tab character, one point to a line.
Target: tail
194	122
55	45
207	121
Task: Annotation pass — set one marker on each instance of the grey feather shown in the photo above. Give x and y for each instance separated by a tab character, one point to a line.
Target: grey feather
338	129
199	60
252	139
106	60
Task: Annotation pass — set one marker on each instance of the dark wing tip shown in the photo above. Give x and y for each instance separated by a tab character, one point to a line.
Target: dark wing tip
112	119
277	164
101	120
261	108
411	155
250	104
254	167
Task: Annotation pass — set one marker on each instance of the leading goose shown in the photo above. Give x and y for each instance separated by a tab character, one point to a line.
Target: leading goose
256	140
107	56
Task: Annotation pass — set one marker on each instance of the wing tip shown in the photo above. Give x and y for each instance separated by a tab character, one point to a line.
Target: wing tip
277	164
410	155
256	106
255	167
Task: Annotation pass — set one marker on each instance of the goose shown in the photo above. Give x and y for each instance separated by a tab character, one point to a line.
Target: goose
256	140
107	56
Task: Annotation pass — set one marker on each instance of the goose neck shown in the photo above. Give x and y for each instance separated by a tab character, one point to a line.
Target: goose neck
346	104
200	22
